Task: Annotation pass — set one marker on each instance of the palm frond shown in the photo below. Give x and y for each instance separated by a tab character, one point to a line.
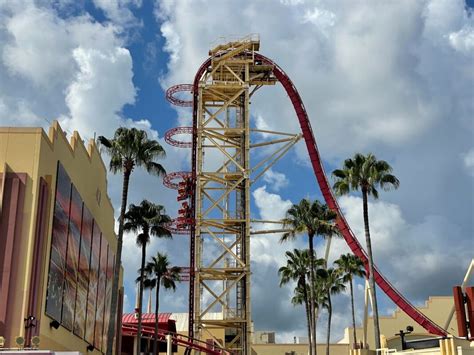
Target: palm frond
155	169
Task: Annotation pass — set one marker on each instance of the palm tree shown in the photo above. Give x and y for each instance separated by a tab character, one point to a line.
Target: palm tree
366	173
320	299
158	272
350	265
301	297
297	269
128	148
313	218
329	282
151	220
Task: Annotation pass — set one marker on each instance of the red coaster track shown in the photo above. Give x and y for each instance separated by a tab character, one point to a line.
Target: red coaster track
176	339
175	142
318	169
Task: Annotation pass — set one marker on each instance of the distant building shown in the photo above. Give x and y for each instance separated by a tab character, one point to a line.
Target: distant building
437	308
301	340
57	241
263	337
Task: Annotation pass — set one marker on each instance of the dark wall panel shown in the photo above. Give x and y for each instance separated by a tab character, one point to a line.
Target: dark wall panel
72	256
94	279
108	293
99	324
54	298
83	273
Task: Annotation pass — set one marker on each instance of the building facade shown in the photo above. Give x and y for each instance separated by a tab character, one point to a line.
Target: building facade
57	241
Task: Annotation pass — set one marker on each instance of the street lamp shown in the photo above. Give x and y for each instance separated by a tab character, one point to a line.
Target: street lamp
402	336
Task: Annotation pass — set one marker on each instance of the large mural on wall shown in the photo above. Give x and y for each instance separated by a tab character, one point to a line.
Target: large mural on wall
93	281
108	293
81	261
54	298
99	318
83	273
72	255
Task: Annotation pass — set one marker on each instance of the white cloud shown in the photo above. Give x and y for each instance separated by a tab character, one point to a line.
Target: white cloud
321	18
266	247
119	11
271	206
365	81
463	40
410	254
468	160
37	46
73	69
172	45
102	86
275	179
292	2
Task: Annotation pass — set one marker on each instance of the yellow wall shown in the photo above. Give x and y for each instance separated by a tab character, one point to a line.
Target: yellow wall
299	349
218	333
32	151
436	308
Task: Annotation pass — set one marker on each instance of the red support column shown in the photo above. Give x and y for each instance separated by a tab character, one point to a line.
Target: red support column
460	311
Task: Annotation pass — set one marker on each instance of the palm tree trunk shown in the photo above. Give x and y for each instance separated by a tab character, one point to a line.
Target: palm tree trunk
140	300
328	340
157	306
118	264
311	291
308	317
353	313
371	269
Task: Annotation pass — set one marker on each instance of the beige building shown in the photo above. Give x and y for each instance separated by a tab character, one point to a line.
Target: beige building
436	308
57	242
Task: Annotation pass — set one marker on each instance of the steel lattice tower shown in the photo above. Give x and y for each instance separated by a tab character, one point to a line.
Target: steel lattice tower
222	190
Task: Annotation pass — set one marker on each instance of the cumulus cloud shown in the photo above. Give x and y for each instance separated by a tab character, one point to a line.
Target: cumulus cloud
468	159
424	258
365	107
73	69
268	254
102	86
463	40
321	18
275	179
119	11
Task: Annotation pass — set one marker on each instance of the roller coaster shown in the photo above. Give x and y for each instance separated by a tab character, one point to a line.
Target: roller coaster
215	200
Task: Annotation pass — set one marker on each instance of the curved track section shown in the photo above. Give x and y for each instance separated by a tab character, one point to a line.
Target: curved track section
176	339
326	191
173	228
170	95
169	179
178	143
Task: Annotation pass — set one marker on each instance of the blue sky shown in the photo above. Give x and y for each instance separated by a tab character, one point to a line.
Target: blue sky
392	78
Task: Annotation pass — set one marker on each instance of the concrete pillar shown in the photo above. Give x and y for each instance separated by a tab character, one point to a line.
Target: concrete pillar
169	345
